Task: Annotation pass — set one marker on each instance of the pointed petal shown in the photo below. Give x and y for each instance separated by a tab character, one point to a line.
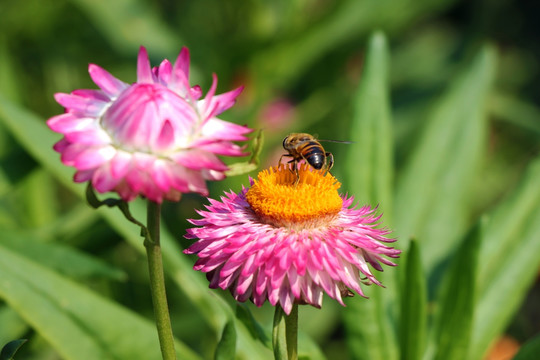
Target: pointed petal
106	82
144	71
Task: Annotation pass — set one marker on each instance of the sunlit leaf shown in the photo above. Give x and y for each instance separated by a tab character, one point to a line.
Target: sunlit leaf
74	319
13	327
61	258
509	262
434	192
369	159
370	334
226	347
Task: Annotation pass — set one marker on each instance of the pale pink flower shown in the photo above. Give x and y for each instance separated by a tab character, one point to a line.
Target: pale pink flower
157	137
289	244
277	114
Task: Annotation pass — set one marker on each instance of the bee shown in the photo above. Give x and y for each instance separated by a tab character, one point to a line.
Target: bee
302	146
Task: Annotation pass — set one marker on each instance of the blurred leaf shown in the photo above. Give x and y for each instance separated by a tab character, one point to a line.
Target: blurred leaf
129	24
433	194
256	330
10	349
9	86
308	349
244	167
240	168
63	259
12	325
257	147
40	200
369	167
76	321
529	350
413	320
37	139
454	319
515	111
510	260
370	333
226	347
283	63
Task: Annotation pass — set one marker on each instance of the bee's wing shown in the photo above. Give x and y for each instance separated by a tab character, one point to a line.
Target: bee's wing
337	141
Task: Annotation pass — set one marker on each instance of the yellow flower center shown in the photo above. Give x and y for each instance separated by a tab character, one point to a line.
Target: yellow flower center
278	201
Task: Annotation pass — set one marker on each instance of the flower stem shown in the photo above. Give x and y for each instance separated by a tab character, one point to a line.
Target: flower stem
285	334
157	282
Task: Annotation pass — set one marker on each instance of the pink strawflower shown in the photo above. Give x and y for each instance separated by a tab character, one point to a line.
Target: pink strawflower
157	137
288	243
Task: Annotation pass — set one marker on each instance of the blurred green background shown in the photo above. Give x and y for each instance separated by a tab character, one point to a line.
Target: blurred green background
301	62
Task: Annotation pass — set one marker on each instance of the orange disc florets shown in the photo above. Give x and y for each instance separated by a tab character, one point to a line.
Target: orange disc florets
278	201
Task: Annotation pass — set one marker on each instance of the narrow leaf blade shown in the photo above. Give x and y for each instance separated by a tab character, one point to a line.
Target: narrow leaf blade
510	260
226	348
370	160
413	306
454	320
74	319
370	334
433	194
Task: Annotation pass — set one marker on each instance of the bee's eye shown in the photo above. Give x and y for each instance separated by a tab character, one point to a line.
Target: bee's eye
285	142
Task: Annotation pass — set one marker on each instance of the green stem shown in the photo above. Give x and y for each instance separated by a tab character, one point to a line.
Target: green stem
285	334
157	282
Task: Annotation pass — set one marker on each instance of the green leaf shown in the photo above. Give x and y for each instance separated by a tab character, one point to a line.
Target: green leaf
226	348
529	350
244	167
73	319
256	330
286	61
413	306
510	260
434	191
63	259
370	156
131	23
13	326
370	334
240	168
10	349
454	320
257	147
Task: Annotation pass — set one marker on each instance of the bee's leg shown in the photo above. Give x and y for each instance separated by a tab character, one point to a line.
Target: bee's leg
329	162
281	157
296	173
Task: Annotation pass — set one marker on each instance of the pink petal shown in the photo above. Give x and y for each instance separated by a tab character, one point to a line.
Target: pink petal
69	122
196	159
106	82
79	104
144	71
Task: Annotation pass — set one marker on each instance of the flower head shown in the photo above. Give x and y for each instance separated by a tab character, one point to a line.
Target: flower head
157	137
288	243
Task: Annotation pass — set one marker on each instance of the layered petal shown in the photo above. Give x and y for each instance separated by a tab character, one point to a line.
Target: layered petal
289	261
156	138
